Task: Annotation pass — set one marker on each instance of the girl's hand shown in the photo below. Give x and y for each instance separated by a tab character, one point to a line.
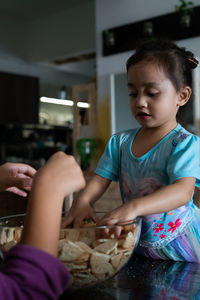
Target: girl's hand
78	213
16	178
121	215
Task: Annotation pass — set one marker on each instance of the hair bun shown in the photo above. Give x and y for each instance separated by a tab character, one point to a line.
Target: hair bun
193	62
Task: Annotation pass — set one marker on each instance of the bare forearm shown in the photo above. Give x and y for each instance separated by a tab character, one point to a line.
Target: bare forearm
42	224
164	199
94	189
60	176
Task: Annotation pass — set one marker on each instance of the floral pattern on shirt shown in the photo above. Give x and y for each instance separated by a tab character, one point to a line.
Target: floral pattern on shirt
174	225
160	227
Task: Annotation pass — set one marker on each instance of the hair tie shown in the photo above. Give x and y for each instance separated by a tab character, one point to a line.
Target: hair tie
194	61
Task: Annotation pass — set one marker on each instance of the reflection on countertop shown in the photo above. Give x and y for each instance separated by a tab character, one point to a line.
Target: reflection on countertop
146	279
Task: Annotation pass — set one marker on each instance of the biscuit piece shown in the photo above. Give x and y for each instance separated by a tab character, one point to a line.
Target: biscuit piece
18	233
122	262
107	247
100	264
74	266
129	241
9	245
70	234
70	251
98	242
87	236
85	247
115	260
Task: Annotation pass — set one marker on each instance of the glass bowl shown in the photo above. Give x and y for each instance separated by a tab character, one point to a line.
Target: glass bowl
91	253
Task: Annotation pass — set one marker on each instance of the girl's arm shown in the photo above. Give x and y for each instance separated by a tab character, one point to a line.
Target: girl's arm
59	177
82	205
162	200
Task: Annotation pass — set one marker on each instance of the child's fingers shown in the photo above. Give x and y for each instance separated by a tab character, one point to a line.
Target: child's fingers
66	222
107	221
17	191
117	231
77	222
94	217
102	233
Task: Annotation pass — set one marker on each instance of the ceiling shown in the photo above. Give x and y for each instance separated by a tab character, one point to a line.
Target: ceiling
29	10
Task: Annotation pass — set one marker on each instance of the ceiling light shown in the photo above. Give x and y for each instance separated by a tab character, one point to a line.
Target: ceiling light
83	104
57	101
64	102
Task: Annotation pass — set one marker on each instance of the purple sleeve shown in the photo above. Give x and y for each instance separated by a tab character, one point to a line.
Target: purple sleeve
30	273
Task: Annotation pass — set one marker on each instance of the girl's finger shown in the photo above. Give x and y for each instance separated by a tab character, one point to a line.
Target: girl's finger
94	217
117	231
66	221
77	222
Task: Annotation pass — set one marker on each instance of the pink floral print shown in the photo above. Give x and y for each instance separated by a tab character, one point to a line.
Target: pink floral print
162	236
158	227
174	225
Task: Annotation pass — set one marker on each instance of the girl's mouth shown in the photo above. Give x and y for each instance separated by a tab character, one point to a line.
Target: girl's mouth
143	115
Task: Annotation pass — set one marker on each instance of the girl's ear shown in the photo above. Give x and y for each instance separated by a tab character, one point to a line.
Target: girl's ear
184	95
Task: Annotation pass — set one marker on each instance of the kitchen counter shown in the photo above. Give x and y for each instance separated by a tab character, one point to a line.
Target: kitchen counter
146	279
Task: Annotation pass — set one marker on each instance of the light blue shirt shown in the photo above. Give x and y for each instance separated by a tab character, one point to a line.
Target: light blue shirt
176	156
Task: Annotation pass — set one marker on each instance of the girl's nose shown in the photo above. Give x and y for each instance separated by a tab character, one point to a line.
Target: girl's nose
141	101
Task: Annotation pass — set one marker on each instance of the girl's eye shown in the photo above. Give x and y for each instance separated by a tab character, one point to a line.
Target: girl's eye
152	94
133	95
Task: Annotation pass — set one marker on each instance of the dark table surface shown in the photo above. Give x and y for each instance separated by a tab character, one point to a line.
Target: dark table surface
144	278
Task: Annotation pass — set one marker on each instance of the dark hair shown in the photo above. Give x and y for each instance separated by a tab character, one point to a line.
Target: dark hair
176	62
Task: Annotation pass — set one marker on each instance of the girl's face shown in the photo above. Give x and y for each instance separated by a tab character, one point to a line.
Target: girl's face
154	100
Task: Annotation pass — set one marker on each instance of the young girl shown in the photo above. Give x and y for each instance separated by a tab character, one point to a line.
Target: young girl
157	165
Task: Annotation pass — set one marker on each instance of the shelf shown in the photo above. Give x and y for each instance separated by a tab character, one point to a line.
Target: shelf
125	38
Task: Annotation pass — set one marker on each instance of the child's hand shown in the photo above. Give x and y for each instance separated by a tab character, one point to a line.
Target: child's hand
121	215
61	173
16	178
60	176
78	213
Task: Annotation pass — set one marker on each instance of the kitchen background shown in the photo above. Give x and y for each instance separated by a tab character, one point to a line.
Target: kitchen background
61	44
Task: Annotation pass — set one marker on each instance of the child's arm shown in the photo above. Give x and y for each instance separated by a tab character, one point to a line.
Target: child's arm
82	205
162	200
59	177
16	178
30	273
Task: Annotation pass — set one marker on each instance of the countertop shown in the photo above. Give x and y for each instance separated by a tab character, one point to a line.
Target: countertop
146	279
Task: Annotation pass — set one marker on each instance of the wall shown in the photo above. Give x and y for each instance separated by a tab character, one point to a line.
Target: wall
121	106
114	13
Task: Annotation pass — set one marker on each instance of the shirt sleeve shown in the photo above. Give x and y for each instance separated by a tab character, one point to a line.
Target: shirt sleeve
108	165
30	273
185	160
